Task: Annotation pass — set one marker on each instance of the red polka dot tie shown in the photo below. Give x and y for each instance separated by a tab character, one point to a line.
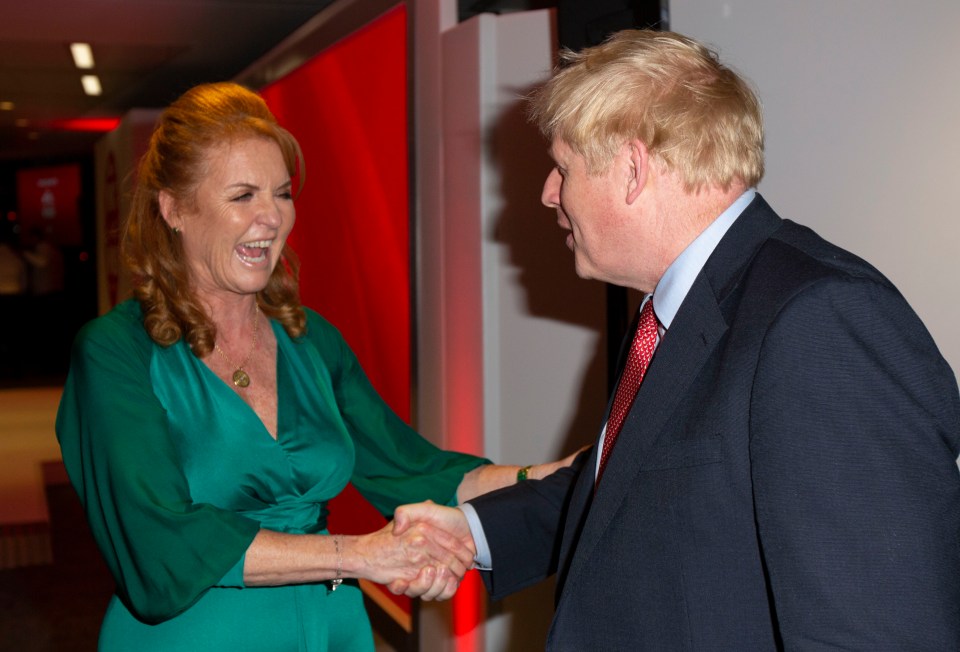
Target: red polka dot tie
641	350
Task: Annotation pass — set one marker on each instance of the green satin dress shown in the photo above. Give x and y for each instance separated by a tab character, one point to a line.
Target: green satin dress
177	474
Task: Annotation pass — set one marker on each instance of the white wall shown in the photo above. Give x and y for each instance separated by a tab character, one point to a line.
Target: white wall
543	328
510	342
862	106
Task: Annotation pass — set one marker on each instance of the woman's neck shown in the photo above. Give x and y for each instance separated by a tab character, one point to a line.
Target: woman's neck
233	316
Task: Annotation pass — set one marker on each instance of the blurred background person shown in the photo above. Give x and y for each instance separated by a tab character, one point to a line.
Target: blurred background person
13	269
13	288
45	282
45	262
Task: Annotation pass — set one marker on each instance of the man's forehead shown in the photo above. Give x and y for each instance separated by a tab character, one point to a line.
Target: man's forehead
558	149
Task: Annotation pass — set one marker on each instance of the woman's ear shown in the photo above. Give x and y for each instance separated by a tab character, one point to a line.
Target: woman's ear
168	209
638	159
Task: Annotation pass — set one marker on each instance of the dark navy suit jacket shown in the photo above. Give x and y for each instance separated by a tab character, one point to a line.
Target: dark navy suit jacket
786	477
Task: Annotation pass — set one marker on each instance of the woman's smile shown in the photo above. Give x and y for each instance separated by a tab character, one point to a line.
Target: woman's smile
253	252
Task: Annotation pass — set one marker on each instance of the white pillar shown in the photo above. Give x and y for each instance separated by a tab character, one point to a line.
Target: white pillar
511	348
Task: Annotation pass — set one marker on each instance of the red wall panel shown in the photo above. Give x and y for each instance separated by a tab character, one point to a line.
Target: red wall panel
348	109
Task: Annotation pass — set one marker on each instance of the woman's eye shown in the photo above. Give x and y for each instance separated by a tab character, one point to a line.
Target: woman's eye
243	197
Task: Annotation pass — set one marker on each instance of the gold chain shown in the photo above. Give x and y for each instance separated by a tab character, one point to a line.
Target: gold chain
240	377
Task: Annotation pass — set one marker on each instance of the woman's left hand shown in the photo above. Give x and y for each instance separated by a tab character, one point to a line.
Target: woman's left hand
484	479
540	471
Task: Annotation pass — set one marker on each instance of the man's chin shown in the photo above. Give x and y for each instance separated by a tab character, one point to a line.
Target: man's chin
581	270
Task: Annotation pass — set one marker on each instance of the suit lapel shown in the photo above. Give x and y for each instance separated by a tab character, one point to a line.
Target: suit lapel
676	363
693	336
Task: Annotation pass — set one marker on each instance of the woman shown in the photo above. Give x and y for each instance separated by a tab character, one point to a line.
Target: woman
207	422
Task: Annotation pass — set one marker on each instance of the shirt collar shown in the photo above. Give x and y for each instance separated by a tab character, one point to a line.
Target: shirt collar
679	277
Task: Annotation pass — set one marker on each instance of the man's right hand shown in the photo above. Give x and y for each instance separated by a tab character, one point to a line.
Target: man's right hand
427	584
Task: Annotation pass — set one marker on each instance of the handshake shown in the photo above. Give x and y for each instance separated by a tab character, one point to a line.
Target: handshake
428	548
424	553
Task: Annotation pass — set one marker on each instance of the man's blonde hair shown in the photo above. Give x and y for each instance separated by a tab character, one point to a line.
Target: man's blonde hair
695	115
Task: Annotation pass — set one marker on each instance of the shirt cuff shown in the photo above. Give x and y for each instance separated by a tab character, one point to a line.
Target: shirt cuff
482	560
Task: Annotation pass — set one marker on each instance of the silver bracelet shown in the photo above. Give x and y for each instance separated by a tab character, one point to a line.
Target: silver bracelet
338	580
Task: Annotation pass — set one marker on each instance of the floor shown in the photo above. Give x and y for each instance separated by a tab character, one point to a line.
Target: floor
27	439
54	587
56	606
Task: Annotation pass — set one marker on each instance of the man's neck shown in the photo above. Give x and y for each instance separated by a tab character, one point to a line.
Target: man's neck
691	212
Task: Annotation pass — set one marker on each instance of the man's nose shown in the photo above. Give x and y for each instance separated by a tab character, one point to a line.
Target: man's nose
550	197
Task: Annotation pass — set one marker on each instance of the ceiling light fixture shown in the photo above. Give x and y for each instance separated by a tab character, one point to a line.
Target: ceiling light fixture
91	84
82	55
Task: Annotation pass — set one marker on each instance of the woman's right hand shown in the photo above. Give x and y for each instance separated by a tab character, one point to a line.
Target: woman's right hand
421	553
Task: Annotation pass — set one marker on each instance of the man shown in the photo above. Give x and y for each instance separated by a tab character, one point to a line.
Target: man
785	476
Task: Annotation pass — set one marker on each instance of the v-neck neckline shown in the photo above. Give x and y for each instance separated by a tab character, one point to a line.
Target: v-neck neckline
225	387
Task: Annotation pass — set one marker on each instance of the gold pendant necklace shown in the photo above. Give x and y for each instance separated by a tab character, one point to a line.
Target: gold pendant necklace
240	377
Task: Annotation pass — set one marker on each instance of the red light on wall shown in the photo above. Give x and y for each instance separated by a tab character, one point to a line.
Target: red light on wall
86	124
468	613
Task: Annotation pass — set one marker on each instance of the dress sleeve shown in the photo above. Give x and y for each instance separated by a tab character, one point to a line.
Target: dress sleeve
163	550
395	465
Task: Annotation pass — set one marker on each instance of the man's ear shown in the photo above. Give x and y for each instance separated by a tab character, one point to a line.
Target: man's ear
168	209
638	161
